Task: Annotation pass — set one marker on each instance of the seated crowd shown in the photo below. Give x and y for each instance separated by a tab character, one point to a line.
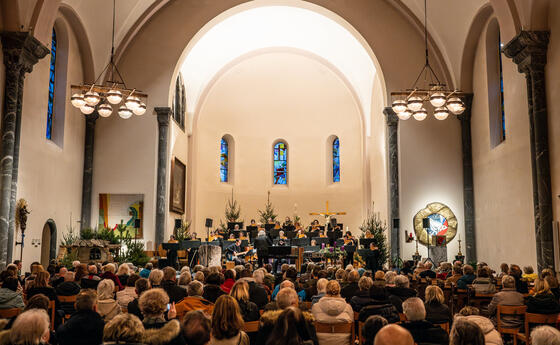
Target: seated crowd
102	304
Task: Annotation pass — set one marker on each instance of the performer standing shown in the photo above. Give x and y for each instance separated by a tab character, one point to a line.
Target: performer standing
373	258
262	242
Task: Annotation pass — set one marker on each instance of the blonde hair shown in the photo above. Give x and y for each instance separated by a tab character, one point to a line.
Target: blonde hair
240	291
541	287
379	275
105	289
124	269
333	288
365	283
155	277
41	279
153	302
109	268
30	327
125	328
322	285
434	293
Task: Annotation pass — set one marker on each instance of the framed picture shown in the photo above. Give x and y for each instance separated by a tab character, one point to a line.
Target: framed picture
178	180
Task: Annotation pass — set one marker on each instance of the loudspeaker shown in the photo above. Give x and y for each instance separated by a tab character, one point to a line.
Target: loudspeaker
178	223
426	223
137	223
396	223
208	222
333	222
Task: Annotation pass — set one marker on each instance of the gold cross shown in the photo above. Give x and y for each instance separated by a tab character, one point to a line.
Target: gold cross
327	213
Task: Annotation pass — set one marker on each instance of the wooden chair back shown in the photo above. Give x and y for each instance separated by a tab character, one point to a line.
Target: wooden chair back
162	252
251	327
537	319
52	311
444	326
511	311
9	313
336	328
360	336
67	299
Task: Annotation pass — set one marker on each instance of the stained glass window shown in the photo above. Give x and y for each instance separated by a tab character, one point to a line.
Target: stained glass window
224	159
280	163
50	106
503	115
336	160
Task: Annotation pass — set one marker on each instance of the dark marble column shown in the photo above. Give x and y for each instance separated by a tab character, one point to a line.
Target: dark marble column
21	51
468	186
528	50
87	179
393	152
163	115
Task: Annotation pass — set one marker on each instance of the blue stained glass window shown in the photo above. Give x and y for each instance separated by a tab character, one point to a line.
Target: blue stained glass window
50	106
280	163
502	90
224	158
336	160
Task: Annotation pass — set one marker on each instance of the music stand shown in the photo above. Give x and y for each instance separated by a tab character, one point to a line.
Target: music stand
321	240
171	249
289	228
268	227
300	242
365	242
290	234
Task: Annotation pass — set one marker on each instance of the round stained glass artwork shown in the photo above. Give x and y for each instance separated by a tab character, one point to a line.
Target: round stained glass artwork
438	225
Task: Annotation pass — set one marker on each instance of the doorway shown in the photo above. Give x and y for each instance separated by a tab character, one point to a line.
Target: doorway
48	243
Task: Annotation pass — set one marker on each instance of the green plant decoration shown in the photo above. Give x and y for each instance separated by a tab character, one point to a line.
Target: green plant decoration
233	210
70	236
268	214
88	234
182	232
377	228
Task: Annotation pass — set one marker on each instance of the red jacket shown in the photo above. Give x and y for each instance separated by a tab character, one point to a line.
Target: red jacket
227	285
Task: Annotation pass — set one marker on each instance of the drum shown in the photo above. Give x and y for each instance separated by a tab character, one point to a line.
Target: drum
209	255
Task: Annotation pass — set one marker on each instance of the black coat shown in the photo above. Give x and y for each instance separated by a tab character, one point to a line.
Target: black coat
249	311
381	308
349	291
425	332
542	304
397	295
262	243
85	327
176	293
212	292
438	313
68	289
361	299
257	294
134	309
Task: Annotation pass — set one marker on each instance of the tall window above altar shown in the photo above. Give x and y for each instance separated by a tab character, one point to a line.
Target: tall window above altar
336	160
224	160
52	75
280	163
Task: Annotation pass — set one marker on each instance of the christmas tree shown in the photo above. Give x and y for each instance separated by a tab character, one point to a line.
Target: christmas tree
233	210
268	214
377	228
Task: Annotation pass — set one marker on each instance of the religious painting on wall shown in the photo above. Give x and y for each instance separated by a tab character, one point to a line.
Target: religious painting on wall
178	179
442	224
128	208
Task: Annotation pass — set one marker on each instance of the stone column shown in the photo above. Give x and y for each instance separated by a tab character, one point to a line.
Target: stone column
393	151
528	50
87	179
163	115
21	51
468	186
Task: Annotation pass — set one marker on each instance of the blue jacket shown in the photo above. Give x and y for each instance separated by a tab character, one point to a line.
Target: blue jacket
465	280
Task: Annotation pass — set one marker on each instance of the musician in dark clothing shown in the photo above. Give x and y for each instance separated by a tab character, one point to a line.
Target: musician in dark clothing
233	252
262	242
373	258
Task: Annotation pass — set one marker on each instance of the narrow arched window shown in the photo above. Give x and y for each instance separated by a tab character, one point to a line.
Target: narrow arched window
336	160
52	75
179	102
503	113
224	160
495	78
280	163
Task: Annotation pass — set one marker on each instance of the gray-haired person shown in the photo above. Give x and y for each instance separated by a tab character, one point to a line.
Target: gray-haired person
262	242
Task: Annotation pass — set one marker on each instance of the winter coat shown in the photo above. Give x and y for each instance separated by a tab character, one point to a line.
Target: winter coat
10	299
108	309
333	310
68	289
85	327
349	291
397	295
508	296
491	335
144	273
382	308
425	332
175	292
361	299
227	285
212	292
163	333
438	313
249	311
257	294
240	339
268	321
134	309
465	280
542	304
126	296
193	303
114	278
483	286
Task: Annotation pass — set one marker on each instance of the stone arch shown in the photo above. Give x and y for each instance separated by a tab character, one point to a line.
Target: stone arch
48	242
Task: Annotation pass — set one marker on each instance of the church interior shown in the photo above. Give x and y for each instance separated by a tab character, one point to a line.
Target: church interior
427	125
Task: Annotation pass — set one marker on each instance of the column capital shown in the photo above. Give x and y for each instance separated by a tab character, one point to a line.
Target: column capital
22	50
163	115
391	117
528	50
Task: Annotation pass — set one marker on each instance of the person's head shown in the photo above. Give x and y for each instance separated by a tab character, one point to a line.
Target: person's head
402	281
226	318
62	271
18	264
380	275
41	279
124	270
468	269
515	270
469	310
149	266
259	275
86	300
169	273
333	288
434	294
541	287
253	222
185	278
105	289
195	288
457	269
545	335
504	268
483	272
508	282
38	301
153	303
238	241
124	328
80	272
291	273
10	283
109	268
340	274
199	276
30	327
372	326
528	269
142	285
131	281
353	276
92	269
466	332
322	285
393	334
69	276
365	283
552	281
229	274
390	277
290	328
213	279
414	309
428	265
287	297
240	291
155	277
196	328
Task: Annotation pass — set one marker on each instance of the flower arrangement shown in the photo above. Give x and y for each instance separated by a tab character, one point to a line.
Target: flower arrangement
333	253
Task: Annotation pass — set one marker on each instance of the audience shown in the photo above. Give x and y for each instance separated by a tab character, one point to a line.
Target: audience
422	330
140	286
9	295
545	335
229	280
542	301
465	332
30	327
155	278
507	296
109	273
371	327
196	327
393	335
380	305
362	297
153	304
91	280
212	289
123	273
351	287
457	273
472	314
467	278
249	310
40	285
436	310
194	300
107	307
227	323
321	290
333	309
529	274
291	329
123	329
145	272
124	297
483	282
169	284
401	292
520	284
85	326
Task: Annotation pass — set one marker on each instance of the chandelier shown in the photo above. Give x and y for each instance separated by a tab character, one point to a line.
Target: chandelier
414	101
114	92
